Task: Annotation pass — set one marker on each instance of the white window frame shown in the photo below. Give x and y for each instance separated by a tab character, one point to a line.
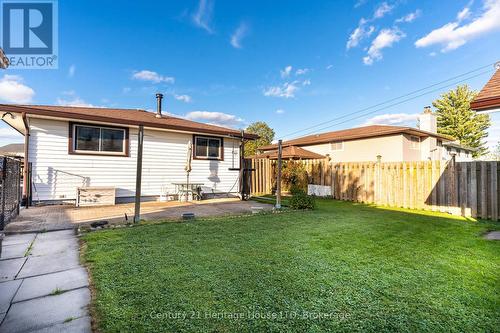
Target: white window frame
336	142
412	143
221	145
100	151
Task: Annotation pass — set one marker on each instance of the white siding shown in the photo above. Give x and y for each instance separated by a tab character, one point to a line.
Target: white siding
57	174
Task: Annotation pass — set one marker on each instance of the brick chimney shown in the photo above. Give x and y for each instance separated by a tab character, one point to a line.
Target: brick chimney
428	120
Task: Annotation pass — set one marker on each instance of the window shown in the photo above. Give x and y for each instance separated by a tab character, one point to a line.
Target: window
414	142
208	148
90	139
338	145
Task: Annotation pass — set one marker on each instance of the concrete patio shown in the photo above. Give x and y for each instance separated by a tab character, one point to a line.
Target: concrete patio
43	288
59	217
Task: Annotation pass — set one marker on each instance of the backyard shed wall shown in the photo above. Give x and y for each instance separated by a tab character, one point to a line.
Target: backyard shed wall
57	174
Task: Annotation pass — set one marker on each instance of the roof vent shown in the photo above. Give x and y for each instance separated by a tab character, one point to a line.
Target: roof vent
159	97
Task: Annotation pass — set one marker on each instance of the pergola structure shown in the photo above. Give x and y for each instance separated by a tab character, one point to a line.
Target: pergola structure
291	153
488	99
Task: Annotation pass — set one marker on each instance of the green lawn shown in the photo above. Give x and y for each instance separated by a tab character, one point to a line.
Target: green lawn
342	267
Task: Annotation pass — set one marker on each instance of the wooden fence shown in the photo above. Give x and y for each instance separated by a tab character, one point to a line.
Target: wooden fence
469	189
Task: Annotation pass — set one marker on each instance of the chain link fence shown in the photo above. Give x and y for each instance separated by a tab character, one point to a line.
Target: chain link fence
10	189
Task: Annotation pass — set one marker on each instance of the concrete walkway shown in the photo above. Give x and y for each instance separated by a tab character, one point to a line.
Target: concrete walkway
60	217
43	288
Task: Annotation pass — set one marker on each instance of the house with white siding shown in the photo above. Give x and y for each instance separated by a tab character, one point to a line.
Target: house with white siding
78	147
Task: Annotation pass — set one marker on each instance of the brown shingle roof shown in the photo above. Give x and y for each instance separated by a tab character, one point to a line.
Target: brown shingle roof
355	133
291	152
123	116
489	96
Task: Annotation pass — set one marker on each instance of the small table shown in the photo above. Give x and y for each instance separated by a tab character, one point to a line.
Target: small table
182	189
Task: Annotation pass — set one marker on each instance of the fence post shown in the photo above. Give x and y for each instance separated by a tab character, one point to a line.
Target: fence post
494	191
278	180
18	187
377	179
2	212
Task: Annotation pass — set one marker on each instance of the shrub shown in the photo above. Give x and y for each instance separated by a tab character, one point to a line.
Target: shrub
301	200
294	176
296	189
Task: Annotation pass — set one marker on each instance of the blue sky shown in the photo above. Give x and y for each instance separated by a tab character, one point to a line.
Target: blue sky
292	64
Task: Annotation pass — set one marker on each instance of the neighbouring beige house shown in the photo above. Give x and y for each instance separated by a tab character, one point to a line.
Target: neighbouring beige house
12	150
391	143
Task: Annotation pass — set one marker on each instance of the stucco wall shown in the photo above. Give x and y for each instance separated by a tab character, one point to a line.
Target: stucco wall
389	147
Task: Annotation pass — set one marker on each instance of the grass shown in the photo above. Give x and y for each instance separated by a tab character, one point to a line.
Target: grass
56	292
342	267
271	199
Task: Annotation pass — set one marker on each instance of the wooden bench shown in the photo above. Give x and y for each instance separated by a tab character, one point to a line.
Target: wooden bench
95	196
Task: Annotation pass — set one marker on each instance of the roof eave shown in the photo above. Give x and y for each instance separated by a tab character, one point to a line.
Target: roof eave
486	104
90	117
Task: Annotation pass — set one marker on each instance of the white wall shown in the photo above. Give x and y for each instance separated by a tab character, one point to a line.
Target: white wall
57	174
363	150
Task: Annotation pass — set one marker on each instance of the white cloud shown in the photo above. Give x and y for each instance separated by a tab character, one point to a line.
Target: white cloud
280	111
463	14
215	118
393	119
71	71
183	98
145	75
287	90
382	10
203	16
9	135
360	33
72	99
410	17
329	67
12	90
286	72
386	38
453	35
306	82
359	3
302	71
75	101
238	35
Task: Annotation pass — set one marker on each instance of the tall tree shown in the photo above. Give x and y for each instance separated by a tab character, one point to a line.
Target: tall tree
263	130
455	118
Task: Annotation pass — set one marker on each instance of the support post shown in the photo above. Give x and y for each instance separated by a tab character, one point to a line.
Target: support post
278	180
138	177
2	199
26	174
243	168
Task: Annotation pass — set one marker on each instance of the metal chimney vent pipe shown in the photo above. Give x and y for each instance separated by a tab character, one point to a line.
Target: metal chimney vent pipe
159	97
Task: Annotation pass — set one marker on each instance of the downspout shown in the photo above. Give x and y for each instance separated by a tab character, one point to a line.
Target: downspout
26	163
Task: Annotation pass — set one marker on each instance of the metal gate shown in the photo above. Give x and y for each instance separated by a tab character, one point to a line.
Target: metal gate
10	189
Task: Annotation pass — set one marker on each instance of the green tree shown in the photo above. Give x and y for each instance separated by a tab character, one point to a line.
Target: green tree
455	118
263	130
